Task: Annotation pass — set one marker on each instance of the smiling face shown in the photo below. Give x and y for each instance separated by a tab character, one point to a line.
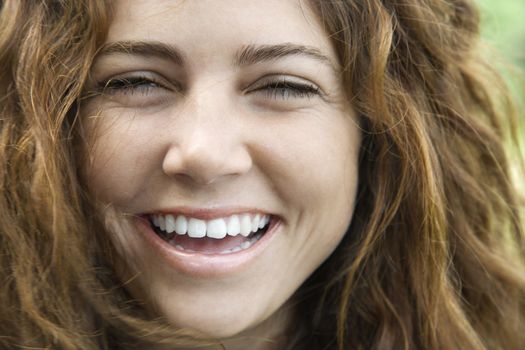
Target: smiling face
225	120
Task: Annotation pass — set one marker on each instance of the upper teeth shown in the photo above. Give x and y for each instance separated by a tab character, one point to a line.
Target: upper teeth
218	228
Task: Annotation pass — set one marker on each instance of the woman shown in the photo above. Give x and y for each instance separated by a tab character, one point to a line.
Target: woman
255	175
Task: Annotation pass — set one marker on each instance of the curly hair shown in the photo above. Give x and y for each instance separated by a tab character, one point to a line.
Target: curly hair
434	256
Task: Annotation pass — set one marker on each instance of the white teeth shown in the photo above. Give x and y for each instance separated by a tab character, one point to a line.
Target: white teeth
162	223
244	245
255	223
155	219
181	225
246	225
262	223
234	225
218	228
196	228
170	223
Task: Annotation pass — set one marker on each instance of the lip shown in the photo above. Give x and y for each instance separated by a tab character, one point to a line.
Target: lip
206	214
205	265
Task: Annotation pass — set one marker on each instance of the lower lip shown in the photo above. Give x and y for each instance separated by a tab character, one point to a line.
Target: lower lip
205	265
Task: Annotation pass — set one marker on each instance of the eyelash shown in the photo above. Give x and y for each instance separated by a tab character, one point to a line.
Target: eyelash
285	89
282	89
130	85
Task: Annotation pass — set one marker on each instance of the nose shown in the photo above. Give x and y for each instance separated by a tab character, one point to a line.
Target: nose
207	144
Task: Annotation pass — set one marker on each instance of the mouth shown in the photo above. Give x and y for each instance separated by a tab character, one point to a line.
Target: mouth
218	236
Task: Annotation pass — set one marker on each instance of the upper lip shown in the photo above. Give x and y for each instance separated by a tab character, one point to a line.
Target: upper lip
208	213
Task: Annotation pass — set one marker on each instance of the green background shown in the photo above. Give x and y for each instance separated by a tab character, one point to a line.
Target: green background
503	26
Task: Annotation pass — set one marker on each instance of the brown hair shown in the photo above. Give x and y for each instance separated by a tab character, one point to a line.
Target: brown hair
434	255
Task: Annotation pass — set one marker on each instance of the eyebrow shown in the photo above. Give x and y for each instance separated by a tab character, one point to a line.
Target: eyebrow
252	54
247	55
143	48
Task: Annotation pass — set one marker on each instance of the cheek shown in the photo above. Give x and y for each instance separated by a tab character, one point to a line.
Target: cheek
315	162
315	171
119	158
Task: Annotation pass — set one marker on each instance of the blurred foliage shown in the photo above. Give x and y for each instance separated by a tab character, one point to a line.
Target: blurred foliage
503	26
503	29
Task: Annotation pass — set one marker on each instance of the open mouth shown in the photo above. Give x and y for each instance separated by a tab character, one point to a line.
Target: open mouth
226	235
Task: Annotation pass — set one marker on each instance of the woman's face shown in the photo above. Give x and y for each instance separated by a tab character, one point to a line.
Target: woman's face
225	120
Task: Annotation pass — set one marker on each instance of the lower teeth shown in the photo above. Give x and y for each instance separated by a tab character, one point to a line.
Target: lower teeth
244	245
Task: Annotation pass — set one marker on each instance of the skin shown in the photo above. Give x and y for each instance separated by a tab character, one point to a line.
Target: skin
212	134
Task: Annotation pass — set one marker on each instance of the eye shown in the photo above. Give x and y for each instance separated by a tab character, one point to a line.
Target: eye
284	88
130	85
138	89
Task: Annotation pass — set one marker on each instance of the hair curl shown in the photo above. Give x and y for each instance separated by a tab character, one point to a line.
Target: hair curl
434	255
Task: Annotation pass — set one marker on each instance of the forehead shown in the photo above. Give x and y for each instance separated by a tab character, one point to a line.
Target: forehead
216	24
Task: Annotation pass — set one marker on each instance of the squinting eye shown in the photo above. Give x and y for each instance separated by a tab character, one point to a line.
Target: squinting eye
129	85
287	89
